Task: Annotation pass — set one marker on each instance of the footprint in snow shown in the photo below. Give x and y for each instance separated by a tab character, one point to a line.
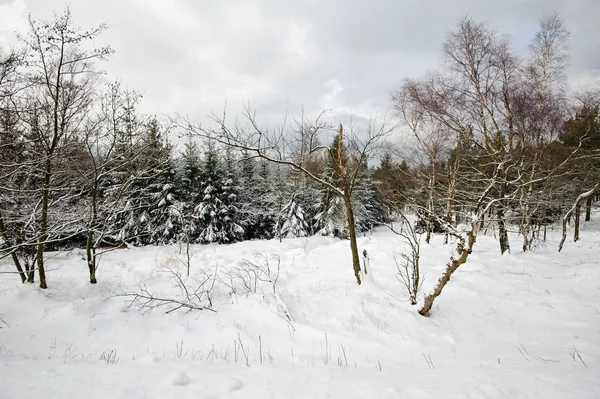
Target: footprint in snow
226	389
149	359
235	385
178	379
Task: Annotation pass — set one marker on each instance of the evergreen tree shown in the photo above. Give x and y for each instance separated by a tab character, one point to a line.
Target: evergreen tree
330	218
216	212
232	228
294	224
291	199
255	202
191	186
584	128
392	180
280	196
116	209
167	210
265	204
307	195
369	208
191	171
154	213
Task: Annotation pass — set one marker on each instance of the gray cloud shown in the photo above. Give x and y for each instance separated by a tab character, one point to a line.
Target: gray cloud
189	56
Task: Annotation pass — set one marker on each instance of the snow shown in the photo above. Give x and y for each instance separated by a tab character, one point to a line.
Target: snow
463	228
524	325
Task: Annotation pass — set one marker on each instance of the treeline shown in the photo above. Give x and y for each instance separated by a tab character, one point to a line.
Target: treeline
495	139
116	179
126	175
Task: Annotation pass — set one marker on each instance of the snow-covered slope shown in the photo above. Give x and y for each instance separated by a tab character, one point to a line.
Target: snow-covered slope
525	325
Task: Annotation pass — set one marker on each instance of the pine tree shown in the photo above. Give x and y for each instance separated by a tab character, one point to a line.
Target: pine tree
295	224
369	209
191	186
251	194
290	197
216	211
166	212
232	228
330	218
279	196
392	180
153	211
191	171
265	204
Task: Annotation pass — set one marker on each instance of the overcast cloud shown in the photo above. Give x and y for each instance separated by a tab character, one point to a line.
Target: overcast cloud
348	55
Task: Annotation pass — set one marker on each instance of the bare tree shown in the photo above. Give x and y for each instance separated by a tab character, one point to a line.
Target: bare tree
505	113
107	150
62	82
279	148
434	142
10	165
409	270
575	208
539	110
464	248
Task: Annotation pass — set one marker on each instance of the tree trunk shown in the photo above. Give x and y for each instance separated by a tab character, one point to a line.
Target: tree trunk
451	267
91	256
352	235
588	209
577	218
30	268
44	225
428	230
13	253
527	240
544	232
502	232
89	247
452	171
430	201
279	218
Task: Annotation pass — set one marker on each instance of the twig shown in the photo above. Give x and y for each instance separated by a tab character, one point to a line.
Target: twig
243	350
429	361
145	300
260	349
576	353
345	357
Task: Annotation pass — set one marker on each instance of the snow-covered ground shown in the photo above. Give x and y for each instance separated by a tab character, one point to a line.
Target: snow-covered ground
525	325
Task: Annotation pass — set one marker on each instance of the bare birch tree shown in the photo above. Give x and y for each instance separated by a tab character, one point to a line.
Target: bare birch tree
505	113
62	79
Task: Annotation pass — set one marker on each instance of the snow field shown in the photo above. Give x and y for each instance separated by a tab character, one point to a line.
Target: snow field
526	325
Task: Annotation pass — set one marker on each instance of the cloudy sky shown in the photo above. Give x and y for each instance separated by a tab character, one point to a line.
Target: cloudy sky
189	56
